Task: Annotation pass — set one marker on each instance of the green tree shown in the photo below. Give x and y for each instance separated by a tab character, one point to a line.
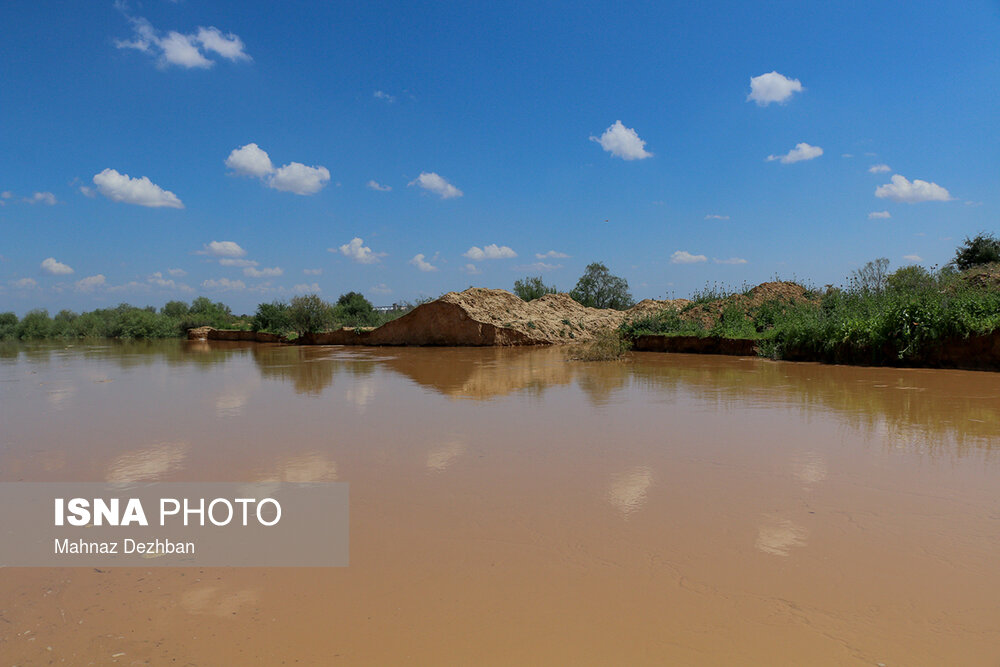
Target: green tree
908	279
531	288
871	278
36	324
598	288
310	314
175	309
983	249
354	310
274	317
8	325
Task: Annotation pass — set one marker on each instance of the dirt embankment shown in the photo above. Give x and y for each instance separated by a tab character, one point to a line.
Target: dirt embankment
475	317
488	317
210	333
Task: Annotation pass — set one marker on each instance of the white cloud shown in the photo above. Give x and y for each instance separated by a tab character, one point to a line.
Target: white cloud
715	216
251	272
551	254
237	263
250	160
731	260
6	194
419	262
140	191
87	192
224	284
431	182
90	283
879	168
538	266
879	215
302	288
375	185
471	270
772	87
382	95
182	50
25	283
158	280
295	177
313	272
359	252
177	273
381	288
802	151
223	249
902	190
847	155
55	268
492	251
229	46
684	257
188	51
623	142
913	258
299	179
42	198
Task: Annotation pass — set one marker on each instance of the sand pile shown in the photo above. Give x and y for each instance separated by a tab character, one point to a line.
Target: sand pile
552	318
480	316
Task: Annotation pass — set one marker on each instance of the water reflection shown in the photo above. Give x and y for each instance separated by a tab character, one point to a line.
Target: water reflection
778	536
809	468
310	466
628	490
924	411
148	464
445	454
310	369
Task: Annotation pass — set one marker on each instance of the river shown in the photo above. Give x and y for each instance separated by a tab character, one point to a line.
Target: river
511	507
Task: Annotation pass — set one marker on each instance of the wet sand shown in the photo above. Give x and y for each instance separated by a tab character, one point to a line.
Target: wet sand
509	507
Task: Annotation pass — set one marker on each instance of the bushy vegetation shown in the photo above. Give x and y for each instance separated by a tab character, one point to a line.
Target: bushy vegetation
914	311
123	321
311	314
877	317
531	288
979	250
598	288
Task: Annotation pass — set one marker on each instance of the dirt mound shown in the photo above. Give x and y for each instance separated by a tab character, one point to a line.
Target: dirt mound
986	277
648	307
789	293
782	291
480	316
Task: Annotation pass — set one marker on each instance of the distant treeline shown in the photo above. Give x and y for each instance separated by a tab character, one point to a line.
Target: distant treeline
303	314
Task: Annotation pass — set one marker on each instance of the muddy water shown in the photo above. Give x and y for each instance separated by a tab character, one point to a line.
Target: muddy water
509	507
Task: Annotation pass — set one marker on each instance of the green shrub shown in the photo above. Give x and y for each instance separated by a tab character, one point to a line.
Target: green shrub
310	314
982	249
274	317
354	310
8	326
531	288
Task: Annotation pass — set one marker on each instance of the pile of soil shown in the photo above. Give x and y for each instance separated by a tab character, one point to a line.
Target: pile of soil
480	316
986	277
780	291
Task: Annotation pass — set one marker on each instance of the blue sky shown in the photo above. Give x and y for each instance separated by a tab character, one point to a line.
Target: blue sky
163	150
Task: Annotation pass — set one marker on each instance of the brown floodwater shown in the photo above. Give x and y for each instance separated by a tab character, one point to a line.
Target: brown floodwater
511	507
